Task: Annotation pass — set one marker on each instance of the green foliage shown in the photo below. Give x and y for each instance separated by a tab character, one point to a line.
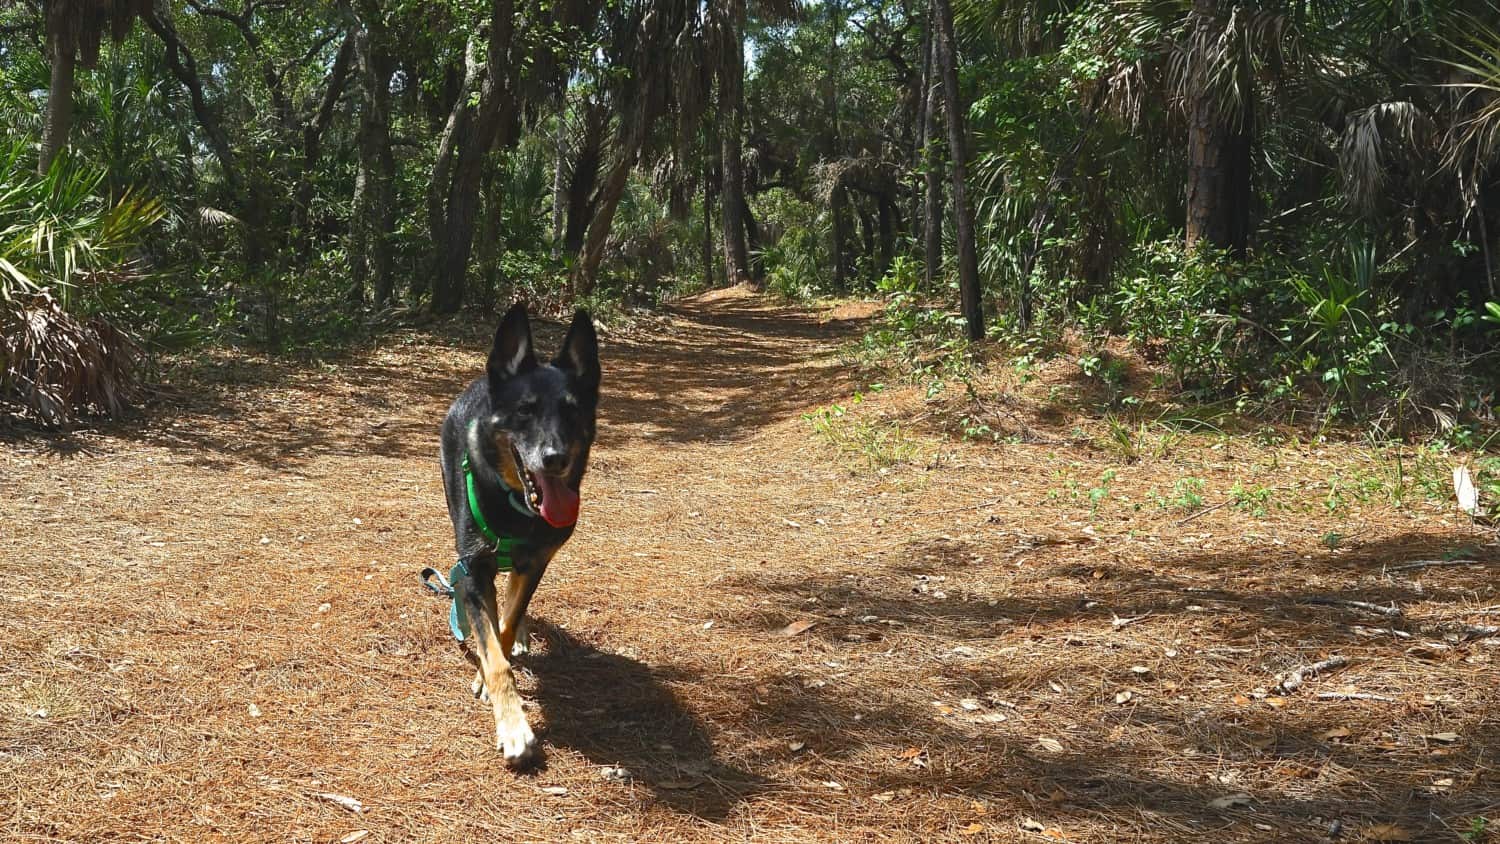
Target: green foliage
880	444
1187	494
1253	499
795	261
66	249
59	234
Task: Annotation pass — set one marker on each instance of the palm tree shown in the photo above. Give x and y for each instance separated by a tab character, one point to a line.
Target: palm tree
74	28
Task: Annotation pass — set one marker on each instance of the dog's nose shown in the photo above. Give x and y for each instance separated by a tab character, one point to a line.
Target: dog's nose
554	460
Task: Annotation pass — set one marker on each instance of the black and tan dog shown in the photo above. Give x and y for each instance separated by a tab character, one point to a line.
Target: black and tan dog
514	448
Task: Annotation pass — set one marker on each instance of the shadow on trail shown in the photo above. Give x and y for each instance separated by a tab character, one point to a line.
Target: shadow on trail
1051	652
1124	767
720	372
617	712
1245	592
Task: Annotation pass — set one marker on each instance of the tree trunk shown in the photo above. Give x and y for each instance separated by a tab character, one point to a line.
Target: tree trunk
839	202
375	218
752	238
473	130
1219	147
586	269
581	198
559	196
60	93
886	217
708	225
462	212
963	214
489	241
932	171
359	230
732	196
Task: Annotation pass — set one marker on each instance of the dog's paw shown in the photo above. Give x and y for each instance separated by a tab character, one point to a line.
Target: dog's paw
517	742
478	690
522	645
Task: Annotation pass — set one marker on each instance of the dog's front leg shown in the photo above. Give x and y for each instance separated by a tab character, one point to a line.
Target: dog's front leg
520	585
513	735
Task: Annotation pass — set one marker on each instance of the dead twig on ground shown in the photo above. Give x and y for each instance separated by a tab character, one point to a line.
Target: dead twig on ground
1293	680
1422	564
1205	511
1466	631
1354	696
1324	601
980	506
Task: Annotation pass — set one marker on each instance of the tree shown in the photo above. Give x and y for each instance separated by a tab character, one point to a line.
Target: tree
373	216
1220	129
731	23
931	162
73	30
963	213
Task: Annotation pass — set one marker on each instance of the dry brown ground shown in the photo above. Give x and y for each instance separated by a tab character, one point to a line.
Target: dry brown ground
212	617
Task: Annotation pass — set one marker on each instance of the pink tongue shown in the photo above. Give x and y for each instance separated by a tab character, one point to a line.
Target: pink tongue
559	501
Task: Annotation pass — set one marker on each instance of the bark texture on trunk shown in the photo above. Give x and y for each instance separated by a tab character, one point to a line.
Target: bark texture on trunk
932	170
1220	134
559	196
752	239
708	225
585	272
60	92
471	132
373	219
731	127
584	179
963	214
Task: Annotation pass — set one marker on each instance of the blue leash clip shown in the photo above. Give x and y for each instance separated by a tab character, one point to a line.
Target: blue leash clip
458	619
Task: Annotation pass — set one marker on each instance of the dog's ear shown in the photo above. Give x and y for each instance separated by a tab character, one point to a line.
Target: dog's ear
512	352
580	351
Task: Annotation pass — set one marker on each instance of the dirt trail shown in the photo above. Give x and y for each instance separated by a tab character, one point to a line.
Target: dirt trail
212	618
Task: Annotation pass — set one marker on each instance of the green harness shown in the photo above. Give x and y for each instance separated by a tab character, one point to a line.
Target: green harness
458	619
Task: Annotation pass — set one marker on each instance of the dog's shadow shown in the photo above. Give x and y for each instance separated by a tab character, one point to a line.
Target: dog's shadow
619	714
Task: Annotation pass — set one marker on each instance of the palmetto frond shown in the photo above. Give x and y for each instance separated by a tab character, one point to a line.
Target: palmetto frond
58	234
1474	139
1380	142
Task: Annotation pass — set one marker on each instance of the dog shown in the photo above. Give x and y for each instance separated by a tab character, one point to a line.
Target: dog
515	445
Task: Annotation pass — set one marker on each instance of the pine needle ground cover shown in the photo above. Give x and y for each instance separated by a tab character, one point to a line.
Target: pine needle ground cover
213	631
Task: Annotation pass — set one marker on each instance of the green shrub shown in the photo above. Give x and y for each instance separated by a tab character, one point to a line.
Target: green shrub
65	249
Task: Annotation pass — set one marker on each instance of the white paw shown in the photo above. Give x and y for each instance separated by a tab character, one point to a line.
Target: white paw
478	690
522	645
516	741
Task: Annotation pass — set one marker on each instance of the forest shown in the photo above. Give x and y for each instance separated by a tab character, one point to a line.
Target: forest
1284	204
1054	421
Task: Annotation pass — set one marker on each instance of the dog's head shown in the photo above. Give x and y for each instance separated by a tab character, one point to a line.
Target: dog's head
542	415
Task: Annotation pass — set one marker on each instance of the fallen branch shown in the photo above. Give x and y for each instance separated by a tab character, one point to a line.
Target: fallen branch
1388	612
1293	680
1354	696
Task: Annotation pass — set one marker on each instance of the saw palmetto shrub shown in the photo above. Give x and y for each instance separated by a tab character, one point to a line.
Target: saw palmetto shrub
65	245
